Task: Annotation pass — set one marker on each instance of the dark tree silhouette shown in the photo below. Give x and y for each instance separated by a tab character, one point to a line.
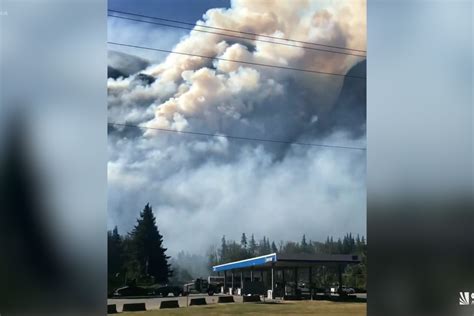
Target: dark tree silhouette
115	259
252	246
243	241
274	247
304	243
147	247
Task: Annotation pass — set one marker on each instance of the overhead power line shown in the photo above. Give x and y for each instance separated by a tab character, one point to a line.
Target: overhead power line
241	37
235	31
238	137
237	61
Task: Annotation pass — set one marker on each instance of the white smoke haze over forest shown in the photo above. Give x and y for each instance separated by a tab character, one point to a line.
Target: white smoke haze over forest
204	187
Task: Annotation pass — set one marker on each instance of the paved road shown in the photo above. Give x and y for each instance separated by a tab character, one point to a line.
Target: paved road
154	303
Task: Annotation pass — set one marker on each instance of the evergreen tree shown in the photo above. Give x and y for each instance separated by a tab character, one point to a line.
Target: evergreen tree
264	246
235	252
224	250
114	252
131	264
115	259
148	250
268	248
252	246
345	249
291	247
274	247
358	240
339	247
243	241
308	246
304	244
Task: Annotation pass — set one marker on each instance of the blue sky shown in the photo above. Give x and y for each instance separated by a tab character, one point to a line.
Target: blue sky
187	10
143	34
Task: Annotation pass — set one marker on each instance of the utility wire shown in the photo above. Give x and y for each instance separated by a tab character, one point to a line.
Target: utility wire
234	31
237	61
241	37
238	137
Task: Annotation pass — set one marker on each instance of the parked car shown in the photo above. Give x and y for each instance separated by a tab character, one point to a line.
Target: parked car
348	290
163	290
344	290
131	291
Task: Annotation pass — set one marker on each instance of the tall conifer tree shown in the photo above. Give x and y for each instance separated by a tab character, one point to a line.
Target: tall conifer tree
148	248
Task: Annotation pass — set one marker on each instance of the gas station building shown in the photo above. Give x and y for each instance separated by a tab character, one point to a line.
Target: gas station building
258	275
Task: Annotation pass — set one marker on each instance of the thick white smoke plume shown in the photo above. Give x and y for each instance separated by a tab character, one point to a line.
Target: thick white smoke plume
203	187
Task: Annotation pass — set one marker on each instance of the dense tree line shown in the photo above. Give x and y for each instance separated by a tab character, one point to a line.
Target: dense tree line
139	257
354	275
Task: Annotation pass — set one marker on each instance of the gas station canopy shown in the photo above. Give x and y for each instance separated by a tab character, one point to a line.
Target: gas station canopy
276	260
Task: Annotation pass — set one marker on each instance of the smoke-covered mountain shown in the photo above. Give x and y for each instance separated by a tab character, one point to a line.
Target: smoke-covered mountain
216	185
123	65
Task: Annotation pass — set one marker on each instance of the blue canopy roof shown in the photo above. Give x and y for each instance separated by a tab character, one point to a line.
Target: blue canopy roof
246	263
288	260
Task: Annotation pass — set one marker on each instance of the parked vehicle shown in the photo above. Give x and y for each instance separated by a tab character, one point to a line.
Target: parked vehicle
141	291
343	291
201	285
132	291
348	290
167	290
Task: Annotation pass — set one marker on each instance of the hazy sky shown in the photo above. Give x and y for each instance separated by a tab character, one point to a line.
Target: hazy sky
204	187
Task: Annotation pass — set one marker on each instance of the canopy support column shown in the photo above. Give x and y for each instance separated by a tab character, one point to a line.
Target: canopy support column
339	277
225	281
296	280
273	281
241	283
284	281
232	280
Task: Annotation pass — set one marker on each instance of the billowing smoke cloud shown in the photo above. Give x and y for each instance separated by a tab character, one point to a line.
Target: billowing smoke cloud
204	187
123	65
